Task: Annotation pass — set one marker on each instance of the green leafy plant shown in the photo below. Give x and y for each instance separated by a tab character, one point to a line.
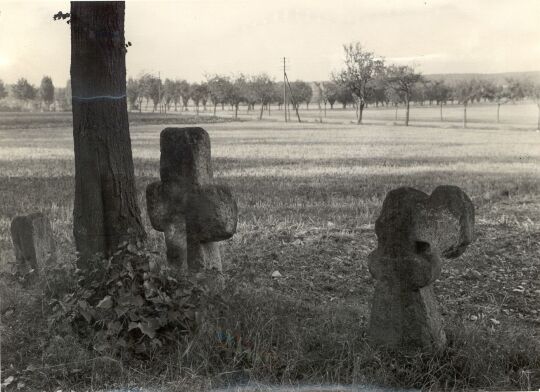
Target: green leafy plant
130	303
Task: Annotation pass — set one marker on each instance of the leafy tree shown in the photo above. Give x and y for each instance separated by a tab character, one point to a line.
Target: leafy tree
205	94
501	96
24	91
133	93
63	97
154	90
301	92
106	212
3	90
177	96
46	91
534	93
487	90
402	79
262	88
250	96
278	94
145	83
184	91
517	89
169	89
198	92
319	96
420	92
218	89
440	93
344	96
237	93
393	96
465	92
378	91
330	93
361	68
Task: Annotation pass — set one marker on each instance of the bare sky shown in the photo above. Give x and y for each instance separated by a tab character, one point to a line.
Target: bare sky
190	38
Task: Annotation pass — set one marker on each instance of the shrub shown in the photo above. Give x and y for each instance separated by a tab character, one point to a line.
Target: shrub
130	303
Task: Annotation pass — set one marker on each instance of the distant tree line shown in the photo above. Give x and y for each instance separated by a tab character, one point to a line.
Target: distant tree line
149	91
46	97
364	80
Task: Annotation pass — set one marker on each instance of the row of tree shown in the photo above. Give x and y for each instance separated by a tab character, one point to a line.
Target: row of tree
218	90
364	80
26	92
366	77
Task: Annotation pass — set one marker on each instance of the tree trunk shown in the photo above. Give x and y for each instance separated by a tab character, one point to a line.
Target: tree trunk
407	102
105	208
498	110
261	114
464	114
215	106
441	110
236	111
360	112
325	109
396	112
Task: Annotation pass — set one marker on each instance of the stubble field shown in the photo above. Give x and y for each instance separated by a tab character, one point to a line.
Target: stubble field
308	196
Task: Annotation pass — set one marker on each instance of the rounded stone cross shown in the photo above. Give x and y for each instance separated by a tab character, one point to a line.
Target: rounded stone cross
192	212
415	231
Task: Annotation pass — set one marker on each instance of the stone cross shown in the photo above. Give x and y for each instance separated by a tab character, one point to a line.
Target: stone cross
415	231
33	242
192	212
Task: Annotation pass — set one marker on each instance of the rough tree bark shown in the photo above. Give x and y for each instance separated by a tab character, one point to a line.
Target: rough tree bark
105	210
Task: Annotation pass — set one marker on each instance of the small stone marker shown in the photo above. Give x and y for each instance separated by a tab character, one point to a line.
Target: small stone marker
33	242
414	232
192	212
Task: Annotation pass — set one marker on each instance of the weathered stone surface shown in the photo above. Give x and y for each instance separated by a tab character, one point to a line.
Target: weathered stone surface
33	242
192	212
185	156
414	232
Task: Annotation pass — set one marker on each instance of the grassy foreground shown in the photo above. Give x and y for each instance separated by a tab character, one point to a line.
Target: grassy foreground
308	196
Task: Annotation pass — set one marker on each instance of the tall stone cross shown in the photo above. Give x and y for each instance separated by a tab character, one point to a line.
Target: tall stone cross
192	212
415	231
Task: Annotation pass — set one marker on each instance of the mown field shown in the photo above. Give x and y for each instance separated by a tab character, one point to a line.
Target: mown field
308	196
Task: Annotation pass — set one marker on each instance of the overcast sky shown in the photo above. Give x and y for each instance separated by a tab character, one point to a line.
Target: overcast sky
188	38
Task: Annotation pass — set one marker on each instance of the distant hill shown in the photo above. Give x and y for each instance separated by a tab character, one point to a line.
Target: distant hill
498	78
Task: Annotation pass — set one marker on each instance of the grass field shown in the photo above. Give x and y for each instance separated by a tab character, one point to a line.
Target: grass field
308	196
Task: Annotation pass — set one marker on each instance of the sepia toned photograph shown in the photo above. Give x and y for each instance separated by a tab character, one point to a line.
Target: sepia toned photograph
269	196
